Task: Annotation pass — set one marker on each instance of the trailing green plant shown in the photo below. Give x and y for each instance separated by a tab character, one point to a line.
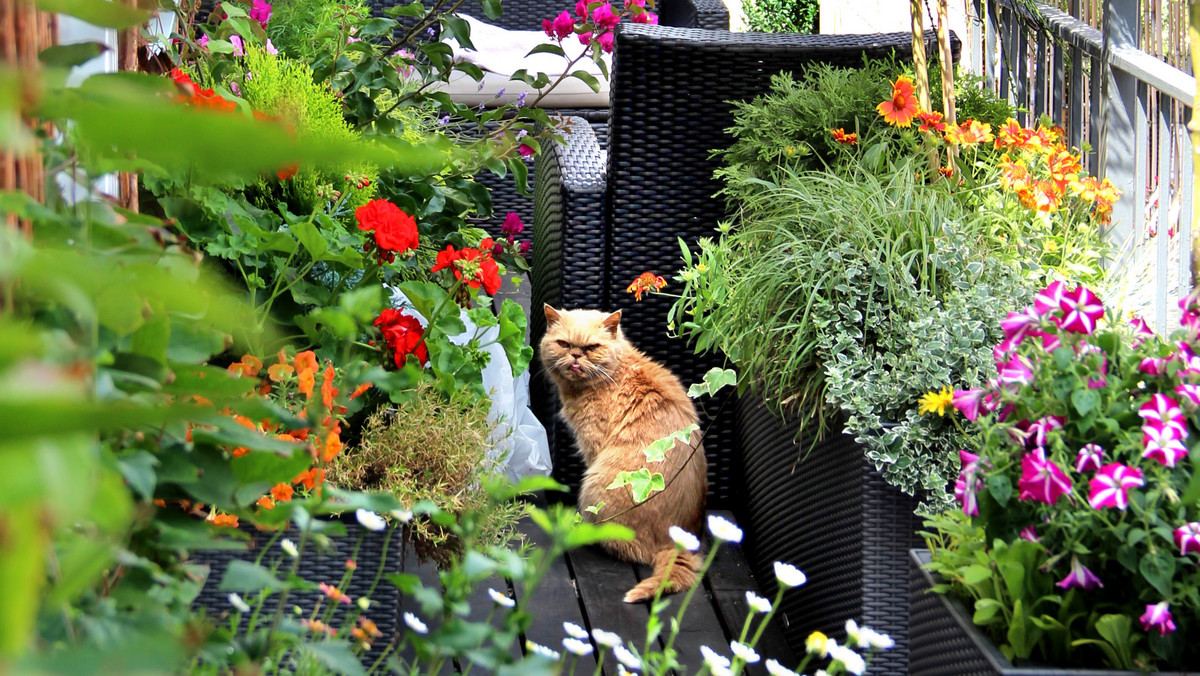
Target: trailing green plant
782	16
301	29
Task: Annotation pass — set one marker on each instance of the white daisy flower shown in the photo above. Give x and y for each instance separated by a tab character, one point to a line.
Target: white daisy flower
289	548
684	539
403	515
875	639
789	575
415	623
237	602
624	656
606	639
821	672
722	529
745	652
577	632
852	636
818	644
758	603
713	659
622	671
542	650
370	520
776	669
577	647
721	671
501	599
852	661
363	602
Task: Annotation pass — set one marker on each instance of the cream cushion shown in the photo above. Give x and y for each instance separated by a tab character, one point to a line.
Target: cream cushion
500	53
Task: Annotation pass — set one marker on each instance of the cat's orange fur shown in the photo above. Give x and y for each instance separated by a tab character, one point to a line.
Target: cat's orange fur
617	401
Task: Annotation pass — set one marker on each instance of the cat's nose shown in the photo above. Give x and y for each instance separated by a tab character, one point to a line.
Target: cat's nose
576	355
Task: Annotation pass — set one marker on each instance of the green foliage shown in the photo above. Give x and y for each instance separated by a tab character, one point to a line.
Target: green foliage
301	29
782	16
285	89
972	100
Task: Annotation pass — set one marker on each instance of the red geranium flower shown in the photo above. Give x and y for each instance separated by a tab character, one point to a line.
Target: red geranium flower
404	336
394	230
478	267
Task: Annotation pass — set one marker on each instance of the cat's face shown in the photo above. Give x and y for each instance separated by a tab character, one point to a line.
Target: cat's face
582	345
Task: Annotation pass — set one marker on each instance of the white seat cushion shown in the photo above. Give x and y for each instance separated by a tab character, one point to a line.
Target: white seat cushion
500	53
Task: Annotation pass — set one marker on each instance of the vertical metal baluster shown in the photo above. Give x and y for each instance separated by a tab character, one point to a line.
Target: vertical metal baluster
1162	303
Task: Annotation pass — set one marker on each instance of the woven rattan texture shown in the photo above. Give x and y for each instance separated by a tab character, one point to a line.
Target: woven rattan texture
937	644
826	510
567	267
328	567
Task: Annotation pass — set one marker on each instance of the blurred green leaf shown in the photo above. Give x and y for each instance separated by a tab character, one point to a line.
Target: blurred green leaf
65	56
248	577
106	14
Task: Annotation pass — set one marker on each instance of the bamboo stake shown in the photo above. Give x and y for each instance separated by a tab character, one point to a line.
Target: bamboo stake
946	61
921	69
1194	127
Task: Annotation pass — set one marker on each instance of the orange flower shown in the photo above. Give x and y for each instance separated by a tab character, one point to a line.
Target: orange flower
319	627
369	627
310	478
300	434
239	451
333	593
245	422
1011	134
331	447
359	390
970	132
900	110
842	137
1014	176
224	520
1064	168
278	372
282	492
288	171
266	502
253	364
946	171
306	361
160	502
351	565
1042	196
931	122
328	391
645	283
307	381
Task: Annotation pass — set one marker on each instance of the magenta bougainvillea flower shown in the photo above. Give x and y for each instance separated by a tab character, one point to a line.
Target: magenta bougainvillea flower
526	150
1049	299
1163	444
512	224
1089	458
1079	576
581	9
1110	487
969	402
1187	538
1042	480
564	25
1081	310
646	17
261	12
1158	617
605	18
606	42
967	485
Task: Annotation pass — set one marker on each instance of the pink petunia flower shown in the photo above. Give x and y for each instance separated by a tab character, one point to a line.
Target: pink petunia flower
967	485
1187	538
1152	366
1190	393
238	48
1080	577
1018	324
271	49
1187	357
1049	299
1089	458
1141	330
1039	430
969	402
605	18
1050	341
1029	533
1165	411
1015	372
1110	486
1081	310
1158	616
1042	480
1163	444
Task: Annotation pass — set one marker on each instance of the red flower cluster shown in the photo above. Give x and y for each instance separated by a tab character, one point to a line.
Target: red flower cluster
404	336
842	137
394	230
477	265
197	97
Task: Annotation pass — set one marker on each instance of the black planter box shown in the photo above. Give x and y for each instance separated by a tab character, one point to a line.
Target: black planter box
943	641
827	511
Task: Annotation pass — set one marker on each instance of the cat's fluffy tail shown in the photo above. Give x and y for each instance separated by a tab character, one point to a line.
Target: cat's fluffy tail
679	575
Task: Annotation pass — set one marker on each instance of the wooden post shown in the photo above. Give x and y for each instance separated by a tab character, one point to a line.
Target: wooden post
946	61
24	32
920	63
128	42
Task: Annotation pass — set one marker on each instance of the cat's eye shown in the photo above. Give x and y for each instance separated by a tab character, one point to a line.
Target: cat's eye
593	346
564	344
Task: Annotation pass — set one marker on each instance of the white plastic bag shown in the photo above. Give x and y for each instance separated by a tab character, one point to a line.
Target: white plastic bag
519	437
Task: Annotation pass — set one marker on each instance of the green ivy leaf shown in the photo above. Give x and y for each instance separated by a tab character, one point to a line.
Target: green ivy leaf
657	451
714	380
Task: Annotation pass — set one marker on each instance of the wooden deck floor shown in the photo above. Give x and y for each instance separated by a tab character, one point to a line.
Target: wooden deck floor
586	587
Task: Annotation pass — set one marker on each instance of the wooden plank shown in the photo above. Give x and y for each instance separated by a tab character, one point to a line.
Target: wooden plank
602	582
554	601
700	626
728	581
481	604
428	574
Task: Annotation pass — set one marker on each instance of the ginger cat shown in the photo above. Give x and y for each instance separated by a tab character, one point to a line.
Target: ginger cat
617	401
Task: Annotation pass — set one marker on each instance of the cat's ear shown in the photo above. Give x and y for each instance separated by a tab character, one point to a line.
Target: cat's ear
612	322
552	315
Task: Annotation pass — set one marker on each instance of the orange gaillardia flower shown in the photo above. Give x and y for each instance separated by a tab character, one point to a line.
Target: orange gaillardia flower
900	110
970	132
930	122
842	137
645	283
